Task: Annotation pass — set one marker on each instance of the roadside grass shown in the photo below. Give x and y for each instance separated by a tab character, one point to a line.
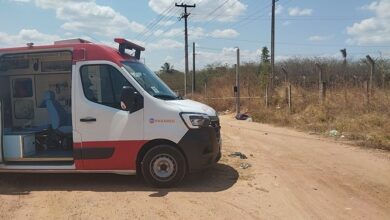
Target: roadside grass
345	110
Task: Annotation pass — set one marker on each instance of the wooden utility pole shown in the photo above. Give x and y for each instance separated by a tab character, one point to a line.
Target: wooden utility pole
193	69
344	54
345	77
372	72
237	87
185	16
273	45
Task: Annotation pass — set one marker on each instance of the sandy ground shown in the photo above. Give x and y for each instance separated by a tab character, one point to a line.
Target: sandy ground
293	175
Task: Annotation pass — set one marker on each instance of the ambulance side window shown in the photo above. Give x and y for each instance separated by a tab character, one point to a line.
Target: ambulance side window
103	84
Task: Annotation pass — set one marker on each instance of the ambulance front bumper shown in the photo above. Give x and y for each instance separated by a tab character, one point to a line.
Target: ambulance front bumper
202	146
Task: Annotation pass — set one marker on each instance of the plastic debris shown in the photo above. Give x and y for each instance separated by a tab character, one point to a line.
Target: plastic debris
245	165
334	133
241	116
249	119
238	154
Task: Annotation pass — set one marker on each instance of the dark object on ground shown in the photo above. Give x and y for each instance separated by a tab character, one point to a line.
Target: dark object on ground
241	116
238	154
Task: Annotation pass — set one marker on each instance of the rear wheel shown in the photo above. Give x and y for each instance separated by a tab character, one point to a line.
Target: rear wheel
163	166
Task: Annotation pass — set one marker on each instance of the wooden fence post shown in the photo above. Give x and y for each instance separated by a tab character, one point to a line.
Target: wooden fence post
289	98
205	90
321	84
367	90
286	84
266	95
372	72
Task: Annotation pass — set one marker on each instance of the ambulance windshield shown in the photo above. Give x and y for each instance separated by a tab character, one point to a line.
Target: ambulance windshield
149	81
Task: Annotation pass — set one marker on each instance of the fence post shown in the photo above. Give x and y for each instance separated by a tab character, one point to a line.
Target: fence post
289	98
372	72
321	84
205	90
266	95
286	83
367	88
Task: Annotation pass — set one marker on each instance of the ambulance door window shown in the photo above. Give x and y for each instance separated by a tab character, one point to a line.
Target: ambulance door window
103	84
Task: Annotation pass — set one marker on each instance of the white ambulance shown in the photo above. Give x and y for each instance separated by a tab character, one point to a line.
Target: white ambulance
77	106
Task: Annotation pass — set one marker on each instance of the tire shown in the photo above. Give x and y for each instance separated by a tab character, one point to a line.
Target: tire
163	166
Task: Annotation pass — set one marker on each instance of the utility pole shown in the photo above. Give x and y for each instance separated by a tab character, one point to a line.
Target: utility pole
273	44
237	87
193	68
372	73
344	54
185	16
345	77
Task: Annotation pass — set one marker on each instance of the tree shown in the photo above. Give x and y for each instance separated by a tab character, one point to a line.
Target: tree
265	55
265	67
166	68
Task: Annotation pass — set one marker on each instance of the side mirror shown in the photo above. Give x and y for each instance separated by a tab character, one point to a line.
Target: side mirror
131	100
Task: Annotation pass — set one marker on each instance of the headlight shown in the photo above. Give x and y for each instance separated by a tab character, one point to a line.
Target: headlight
195	120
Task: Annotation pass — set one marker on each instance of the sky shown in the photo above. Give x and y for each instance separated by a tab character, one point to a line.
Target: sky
304	28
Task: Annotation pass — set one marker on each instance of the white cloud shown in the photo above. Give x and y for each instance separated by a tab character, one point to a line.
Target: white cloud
226	33
165	44
205	10
196	33
296	11
279	9
168	59
26	36
374	30
166	23
227	55
86	16
320	38
21	1
174	32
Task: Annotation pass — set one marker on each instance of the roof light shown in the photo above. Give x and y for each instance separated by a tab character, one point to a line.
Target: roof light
125	44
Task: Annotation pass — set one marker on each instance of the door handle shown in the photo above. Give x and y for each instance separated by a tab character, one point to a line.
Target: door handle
88	119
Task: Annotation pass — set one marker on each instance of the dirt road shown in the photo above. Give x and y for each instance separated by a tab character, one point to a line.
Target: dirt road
293	176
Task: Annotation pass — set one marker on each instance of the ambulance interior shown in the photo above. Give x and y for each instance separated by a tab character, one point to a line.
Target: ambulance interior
35	95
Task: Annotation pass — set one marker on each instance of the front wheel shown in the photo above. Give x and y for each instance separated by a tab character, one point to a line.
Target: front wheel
163	166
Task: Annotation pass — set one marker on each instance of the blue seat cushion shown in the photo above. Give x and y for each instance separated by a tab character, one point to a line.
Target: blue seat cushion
65	129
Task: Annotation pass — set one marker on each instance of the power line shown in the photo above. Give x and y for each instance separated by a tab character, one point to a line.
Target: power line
289	54
217	8
213	11
296	44
155	21
152	35
249	19
154	27
243	21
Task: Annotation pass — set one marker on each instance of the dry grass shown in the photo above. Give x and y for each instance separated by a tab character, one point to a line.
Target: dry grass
345	110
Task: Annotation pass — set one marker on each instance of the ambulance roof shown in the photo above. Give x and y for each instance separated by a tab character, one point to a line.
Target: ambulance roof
82	50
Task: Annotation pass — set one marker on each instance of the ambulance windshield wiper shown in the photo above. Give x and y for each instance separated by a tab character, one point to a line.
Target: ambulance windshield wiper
166	97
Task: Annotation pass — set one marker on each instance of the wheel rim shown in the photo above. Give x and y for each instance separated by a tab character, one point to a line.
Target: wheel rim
163	167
